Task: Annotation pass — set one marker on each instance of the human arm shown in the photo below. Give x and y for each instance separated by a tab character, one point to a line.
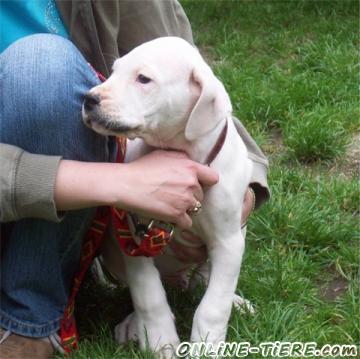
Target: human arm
162	185
26	185
36	186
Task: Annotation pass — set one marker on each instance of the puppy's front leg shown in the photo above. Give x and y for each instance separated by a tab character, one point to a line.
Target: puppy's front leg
212	315
152	323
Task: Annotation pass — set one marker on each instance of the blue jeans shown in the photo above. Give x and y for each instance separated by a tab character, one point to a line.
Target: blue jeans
42	83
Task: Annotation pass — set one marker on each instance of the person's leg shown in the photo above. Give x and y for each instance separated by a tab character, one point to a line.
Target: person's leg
43	81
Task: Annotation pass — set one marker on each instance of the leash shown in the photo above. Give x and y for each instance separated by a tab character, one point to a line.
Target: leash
69	336
133	237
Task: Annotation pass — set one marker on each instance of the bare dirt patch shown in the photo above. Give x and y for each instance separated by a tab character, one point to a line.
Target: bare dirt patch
334	288
349	164
275	144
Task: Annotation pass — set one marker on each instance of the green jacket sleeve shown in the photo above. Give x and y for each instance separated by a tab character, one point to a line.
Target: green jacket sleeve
27	185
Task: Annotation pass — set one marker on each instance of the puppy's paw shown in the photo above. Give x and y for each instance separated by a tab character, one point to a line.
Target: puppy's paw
243	305
126	330
166	352
208	326
161	338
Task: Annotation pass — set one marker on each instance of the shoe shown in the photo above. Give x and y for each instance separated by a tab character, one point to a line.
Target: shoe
13	346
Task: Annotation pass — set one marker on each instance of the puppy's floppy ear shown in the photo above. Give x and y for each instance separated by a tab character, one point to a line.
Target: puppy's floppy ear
212	106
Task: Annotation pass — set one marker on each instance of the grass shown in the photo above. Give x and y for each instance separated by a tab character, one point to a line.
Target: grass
292	71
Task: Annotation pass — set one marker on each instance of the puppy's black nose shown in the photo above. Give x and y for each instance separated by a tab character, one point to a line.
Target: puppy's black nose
91	101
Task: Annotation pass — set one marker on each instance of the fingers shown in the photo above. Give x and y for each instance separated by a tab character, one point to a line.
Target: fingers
198	194
171	188
207	176
184	221
195	188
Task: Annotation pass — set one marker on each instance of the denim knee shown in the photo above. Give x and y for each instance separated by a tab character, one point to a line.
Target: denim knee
45	77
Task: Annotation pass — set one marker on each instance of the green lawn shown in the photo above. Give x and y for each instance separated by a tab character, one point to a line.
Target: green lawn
292	71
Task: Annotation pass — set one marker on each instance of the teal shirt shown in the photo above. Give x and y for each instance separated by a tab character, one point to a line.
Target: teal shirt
19	18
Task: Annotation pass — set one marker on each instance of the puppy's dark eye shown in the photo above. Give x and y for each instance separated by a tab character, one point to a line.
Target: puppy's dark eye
143	79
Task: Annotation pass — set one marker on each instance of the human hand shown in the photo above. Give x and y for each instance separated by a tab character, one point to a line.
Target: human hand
164	185
197	253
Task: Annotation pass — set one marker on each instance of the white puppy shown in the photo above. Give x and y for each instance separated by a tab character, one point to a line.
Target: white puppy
164	93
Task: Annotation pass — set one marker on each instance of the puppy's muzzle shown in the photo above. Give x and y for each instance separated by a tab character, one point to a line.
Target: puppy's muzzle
97	119
91	102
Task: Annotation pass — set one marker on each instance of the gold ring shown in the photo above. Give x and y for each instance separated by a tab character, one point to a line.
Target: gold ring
196	209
